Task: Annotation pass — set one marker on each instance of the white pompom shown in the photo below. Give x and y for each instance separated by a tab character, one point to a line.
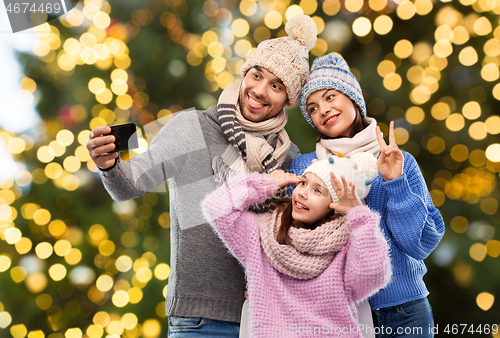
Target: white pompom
367	163
303	29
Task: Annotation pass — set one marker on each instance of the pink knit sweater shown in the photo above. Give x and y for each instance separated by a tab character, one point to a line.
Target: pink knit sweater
282	306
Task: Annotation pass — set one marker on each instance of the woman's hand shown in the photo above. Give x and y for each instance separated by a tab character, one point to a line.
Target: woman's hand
390	162
283	179
346	193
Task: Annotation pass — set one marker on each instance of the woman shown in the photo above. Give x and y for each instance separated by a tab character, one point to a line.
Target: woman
332	102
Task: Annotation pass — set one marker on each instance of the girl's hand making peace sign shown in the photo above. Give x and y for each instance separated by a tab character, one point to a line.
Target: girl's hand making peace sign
391	160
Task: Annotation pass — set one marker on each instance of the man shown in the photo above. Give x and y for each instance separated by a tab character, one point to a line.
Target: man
198	150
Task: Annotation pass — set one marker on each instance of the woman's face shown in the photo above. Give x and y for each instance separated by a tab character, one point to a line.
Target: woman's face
310	199
332	112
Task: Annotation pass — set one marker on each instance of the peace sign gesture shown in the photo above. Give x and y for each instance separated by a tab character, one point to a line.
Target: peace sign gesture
391	160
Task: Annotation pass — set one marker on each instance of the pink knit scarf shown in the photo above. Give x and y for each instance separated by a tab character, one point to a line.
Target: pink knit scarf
311	251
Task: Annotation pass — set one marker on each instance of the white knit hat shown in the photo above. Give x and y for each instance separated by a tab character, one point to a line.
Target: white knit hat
287	57
361	168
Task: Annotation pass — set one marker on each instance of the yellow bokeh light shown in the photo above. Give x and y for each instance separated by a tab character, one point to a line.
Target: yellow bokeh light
129	321
12	235
62	247
94	331
16	145
468	56
18	274
443	32
151	328
320	48
124	101
73	257
124	263
58	148
57	272
482	26
293	11
471	110
477	252
240	27
406	10
423	7
18	331
5	263
101	20
361	26
382	25
53	170
489	206
88	40
24	245
377	5
331	7
490	72
101	319
492	47
144	275
459	224
460	35
477	158
115	328
478	131
385	68
45	154
104	283
420	95
107	248
493	125
309	6
273	19
403	49
41	216
105	96
459	153
455	122
485	301
436	145
73	333
162	271
392	82
120	298
493	152
82	154
72	164
443	48
96	85
242	47
119	87
353	6
493	248
248	7
440	111
135	295
44	250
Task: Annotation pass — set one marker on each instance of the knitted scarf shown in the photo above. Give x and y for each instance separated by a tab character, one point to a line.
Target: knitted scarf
365	140
254	146
311	251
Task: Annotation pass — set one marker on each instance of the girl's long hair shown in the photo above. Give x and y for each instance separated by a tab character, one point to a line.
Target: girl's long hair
285	206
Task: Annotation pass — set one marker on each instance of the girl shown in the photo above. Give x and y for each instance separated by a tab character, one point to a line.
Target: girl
332	102
314	257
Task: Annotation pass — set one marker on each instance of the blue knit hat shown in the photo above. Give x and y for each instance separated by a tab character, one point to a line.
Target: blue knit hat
331	72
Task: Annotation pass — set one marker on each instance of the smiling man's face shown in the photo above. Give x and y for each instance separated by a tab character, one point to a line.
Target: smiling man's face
262	95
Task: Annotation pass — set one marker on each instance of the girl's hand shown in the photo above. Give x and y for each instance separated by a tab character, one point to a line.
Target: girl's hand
390	162
283	179
346	193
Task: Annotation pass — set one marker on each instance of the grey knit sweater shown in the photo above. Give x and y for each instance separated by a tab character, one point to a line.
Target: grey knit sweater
206	280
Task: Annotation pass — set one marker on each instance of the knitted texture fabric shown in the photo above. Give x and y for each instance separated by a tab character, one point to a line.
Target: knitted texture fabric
364	141
311	251
360	169
287	57
282	306
206	281
411	223
331	72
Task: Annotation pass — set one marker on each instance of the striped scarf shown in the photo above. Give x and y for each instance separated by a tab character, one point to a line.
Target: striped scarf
254	146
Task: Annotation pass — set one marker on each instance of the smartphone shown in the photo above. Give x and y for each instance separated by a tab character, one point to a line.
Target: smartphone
126	136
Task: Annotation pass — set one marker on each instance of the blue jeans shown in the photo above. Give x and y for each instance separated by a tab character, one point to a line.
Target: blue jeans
182	327
411	319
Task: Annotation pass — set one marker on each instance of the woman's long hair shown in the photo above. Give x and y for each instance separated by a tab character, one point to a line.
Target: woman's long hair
287	221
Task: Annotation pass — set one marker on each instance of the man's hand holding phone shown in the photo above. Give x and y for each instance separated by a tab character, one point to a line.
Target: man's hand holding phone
105	142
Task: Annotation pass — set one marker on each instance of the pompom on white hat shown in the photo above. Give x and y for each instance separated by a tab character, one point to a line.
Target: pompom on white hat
287	57
361	168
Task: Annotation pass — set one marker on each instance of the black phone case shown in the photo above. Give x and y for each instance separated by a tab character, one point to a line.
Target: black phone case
126	136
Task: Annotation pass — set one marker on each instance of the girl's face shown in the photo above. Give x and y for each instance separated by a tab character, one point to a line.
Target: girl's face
310	199
332	112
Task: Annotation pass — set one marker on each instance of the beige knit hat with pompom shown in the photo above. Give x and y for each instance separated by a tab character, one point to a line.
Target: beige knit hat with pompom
287	57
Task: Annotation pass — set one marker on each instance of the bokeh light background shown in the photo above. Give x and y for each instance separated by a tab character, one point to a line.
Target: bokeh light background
75	264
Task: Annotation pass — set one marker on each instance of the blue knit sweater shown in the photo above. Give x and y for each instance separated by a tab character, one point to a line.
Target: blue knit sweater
411	224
